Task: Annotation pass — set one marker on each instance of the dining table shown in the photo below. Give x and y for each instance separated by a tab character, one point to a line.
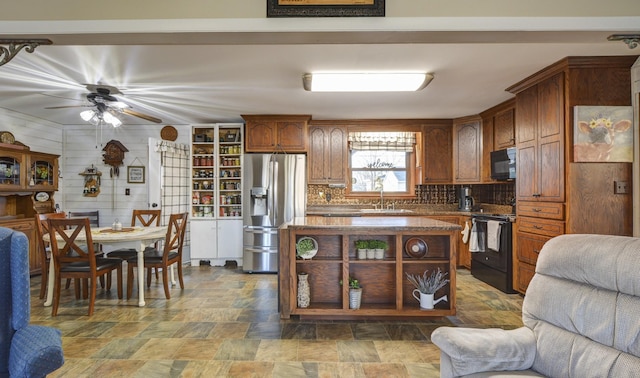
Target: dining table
106	235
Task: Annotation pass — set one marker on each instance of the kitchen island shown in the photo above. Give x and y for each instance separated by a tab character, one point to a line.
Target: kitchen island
386	291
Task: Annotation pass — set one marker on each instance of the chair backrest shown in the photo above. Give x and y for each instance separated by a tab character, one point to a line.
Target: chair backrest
71	249
14	289
146	217
175	234
42	228
583	305
94	216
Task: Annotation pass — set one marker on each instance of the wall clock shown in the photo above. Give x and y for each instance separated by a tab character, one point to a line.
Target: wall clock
7	137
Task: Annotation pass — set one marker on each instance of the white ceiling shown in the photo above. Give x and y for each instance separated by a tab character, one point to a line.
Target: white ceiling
219	76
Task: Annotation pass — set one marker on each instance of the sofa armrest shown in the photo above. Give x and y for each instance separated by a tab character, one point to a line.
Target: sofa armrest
35	351
472	350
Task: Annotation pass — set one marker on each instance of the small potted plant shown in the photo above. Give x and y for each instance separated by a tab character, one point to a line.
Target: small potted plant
379	246
362	246
306	248
355	293
427	286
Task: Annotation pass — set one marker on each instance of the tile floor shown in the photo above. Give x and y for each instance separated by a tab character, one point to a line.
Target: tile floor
225	324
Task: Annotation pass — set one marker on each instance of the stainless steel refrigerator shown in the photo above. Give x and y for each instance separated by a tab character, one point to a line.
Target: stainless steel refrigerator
274	191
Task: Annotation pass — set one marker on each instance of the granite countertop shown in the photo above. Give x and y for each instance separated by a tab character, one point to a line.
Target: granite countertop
359	211
388	223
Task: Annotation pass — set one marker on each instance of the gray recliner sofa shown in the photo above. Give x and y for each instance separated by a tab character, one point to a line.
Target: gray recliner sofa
581	316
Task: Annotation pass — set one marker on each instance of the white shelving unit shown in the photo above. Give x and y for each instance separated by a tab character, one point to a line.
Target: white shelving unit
216	193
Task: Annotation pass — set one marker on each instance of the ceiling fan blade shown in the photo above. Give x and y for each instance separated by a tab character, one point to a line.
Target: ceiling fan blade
69	106
141	115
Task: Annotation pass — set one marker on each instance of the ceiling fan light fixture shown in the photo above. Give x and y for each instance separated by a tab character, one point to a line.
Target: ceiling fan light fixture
366	81
86	115
111	119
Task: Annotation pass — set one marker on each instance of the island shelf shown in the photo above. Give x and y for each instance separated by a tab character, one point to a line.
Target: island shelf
387	293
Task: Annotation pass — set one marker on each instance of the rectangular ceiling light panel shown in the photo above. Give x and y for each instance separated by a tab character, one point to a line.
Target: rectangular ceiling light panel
366	82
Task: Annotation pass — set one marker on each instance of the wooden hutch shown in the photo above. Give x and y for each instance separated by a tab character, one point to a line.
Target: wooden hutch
28	181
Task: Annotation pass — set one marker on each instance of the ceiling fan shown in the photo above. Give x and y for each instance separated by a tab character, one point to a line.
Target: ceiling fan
106	106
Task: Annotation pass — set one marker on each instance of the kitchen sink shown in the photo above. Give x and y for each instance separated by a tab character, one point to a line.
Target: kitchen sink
386	211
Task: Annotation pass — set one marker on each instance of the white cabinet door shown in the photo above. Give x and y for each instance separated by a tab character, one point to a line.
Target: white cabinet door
203	239
230	238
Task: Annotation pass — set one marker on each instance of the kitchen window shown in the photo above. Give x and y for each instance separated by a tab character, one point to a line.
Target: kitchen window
381	161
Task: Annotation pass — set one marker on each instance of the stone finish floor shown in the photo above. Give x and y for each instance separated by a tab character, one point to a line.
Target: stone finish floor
225	324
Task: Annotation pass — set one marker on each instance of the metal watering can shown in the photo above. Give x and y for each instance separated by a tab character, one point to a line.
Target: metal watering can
426	300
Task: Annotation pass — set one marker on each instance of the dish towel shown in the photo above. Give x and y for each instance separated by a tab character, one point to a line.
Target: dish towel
476	240
493	235
465	233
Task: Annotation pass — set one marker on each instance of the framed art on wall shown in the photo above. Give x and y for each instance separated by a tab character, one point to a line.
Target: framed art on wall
325	8
603	134
135	174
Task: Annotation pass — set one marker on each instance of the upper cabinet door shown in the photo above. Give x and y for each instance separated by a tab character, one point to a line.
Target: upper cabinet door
504	129
467	150
276	133
260	136
327	155
12	171
437	149
43	172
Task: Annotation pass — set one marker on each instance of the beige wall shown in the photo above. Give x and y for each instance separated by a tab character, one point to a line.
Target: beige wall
172	9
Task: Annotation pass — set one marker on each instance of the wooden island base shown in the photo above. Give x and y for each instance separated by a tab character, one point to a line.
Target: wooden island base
386	291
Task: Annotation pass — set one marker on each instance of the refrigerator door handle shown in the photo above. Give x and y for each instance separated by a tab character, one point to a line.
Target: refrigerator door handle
274	191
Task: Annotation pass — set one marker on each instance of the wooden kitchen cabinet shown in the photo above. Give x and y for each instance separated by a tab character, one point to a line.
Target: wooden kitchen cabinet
527	251
386	290
464	256
276	133
540	141
498	132
328	155
467	150
437	142
504	128
545	171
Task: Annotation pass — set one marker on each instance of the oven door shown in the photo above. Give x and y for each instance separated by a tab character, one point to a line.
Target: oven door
500	260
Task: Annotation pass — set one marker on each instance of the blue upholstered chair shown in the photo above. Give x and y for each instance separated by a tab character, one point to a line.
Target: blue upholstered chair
25	350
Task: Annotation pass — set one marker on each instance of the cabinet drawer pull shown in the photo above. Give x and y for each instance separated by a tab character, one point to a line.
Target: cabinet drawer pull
536	251
537	227
536	210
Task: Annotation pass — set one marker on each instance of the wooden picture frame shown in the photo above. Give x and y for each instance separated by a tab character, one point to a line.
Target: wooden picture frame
135	174
325	8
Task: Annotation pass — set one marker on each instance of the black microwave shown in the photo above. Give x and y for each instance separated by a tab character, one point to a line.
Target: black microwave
503	164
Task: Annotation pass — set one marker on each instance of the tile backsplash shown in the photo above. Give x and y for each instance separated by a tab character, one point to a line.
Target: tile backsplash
496	194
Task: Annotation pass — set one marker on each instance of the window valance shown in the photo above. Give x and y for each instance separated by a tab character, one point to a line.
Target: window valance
394	141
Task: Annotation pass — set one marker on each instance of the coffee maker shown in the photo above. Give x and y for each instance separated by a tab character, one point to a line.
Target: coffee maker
465	201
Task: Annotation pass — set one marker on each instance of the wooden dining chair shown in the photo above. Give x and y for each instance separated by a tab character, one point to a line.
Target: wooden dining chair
42	228
170	254
145	218
94	216
77	260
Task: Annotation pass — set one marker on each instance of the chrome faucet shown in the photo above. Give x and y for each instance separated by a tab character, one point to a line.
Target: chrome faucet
381	198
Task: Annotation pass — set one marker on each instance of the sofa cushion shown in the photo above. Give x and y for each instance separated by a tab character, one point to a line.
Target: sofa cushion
480	350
